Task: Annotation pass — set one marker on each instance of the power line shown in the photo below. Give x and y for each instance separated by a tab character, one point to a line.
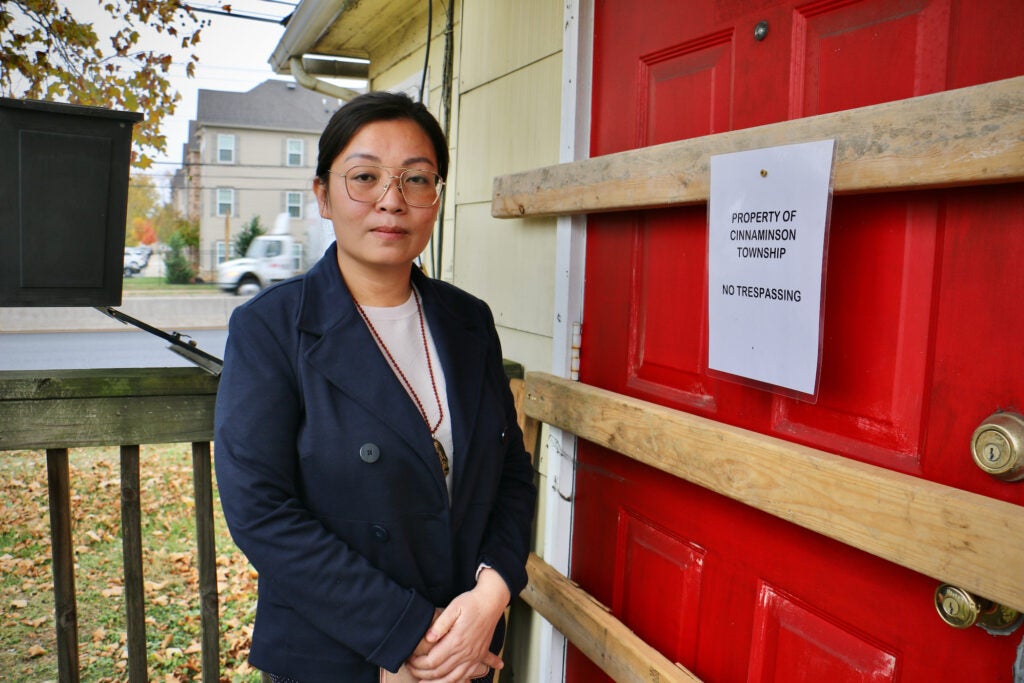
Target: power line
269	20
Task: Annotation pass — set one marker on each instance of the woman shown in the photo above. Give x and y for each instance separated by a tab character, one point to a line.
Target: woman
367	452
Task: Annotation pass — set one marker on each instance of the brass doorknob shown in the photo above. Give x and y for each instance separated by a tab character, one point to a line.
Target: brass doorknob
997	446
961	609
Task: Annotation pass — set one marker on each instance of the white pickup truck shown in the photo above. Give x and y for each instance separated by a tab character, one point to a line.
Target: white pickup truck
271	258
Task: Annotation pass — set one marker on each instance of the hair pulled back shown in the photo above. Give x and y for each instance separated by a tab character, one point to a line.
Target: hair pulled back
369	108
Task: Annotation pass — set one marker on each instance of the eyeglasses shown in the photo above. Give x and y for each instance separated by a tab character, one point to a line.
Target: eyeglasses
369	184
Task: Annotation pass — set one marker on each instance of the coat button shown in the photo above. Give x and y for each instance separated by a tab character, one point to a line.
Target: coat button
380	533
369	452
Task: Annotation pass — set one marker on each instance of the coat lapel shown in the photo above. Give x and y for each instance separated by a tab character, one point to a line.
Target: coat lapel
461	343
344	352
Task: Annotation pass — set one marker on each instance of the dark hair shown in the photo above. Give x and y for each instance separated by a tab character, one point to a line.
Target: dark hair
369	108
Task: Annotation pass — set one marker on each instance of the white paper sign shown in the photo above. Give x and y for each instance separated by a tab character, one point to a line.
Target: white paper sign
768	214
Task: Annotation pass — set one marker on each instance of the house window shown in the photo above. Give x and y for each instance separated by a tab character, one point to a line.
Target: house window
297	256
225	202
225	149
294	153
293	200
220	251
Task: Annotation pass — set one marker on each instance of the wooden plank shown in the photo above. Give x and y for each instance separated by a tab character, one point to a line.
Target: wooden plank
105	407
50	384
30	424
529	426
65	603
202	478
131	550
589	626
955	536
969	136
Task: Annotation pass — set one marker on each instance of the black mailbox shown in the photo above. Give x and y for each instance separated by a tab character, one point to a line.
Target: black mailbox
63	201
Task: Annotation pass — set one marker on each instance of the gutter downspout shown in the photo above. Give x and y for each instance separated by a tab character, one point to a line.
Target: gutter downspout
317	85
307	24
304	27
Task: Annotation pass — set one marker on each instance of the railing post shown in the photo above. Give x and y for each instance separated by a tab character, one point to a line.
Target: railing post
65	609
203	481
131	545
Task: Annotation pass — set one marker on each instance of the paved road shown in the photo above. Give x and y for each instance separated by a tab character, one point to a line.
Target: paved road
121	349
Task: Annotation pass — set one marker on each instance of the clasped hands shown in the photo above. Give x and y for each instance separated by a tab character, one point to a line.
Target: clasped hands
456	646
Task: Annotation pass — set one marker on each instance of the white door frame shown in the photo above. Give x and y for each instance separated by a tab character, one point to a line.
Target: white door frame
574	144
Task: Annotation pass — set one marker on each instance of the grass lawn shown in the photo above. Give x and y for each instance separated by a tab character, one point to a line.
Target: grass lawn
158	285
27	633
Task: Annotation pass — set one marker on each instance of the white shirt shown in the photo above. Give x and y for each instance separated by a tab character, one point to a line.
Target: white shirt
399	329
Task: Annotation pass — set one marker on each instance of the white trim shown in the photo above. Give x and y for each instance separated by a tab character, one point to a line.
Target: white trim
577	62
288	152
305	27
299	204
233	148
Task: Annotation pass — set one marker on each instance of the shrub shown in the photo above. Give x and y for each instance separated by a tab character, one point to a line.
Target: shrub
250	231
177	268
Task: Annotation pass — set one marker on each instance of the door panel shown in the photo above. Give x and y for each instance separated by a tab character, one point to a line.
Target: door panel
649	554
921	341
882	256
912	34
795	644
695	75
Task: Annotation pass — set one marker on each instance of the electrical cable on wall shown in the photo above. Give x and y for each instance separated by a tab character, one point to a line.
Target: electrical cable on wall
446	118
426	58
436	250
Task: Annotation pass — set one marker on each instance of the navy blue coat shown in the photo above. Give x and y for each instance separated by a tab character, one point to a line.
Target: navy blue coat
331	486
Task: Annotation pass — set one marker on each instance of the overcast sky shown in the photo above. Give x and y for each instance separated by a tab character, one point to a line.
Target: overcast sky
233	54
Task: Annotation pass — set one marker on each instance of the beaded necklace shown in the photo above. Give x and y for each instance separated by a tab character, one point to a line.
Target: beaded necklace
438	448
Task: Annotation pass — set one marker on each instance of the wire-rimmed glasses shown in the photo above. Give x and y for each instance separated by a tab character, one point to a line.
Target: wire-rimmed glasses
369	184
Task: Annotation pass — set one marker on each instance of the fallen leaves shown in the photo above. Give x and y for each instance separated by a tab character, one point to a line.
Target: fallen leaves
170	571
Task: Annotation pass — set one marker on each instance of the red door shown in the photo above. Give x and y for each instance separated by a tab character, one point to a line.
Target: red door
923	332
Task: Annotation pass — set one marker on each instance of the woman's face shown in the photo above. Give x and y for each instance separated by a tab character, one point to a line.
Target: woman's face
387	234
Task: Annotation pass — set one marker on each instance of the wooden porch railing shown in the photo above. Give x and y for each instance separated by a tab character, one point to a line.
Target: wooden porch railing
56	411
59	410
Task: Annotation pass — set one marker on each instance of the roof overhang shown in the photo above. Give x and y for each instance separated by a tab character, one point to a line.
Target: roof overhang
339	28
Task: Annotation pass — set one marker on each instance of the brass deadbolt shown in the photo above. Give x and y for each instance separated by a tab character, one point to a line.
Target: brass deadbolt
961	609
997	446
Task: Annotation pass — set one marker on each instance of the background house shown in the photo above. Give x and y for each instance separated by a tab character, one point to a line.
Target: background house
250	155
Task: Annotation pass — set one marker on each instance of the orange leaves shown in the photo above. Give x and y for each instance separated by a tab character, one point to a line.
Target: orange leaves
49	53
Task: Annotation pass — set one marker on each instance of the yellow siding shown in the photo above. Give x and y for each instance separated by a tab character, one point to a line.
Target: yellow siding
502	36
508	264
509	124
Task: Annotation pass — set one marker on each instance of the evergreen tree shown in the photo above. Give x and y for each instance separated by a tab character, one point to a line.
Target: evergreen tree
250	231
177	268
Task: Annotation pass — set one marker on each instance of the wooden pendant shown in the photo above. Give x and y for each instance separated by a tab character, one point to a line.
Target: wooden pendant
442	456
